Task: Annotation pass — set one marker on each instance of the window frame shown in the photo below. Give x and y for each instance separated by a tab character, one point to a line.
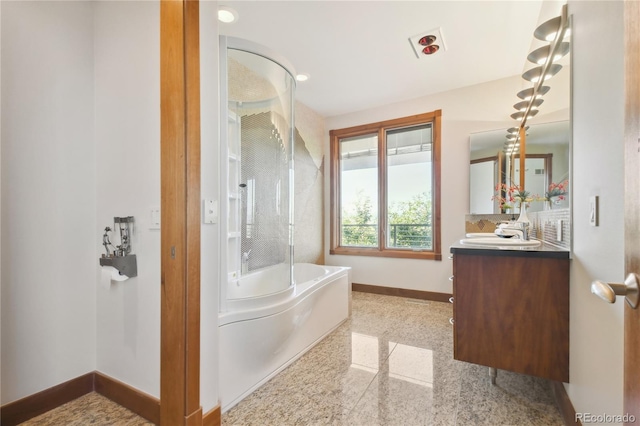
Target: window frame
435	118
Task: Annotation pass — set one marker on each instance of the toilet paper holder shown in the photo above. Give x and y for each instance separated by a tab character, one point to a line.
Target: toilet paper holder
120	257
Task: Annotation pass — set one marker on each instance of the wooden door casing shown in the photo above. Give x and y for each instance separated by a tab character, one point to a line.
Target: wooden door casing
632	203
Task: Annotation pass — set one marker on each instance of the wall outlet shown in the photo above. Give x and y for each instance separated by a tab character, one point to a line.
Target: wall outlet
593	211
210	211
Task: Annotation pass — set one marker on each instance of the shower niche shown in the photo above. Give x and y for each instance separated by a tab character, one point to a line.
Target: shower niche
257	95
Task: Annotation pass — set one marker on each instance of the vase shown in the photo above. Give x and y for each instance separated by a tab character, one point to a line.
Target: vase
523	214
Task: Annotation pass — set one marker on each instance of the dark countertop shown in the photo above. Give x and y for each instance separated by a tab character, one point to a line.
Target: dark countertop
543	250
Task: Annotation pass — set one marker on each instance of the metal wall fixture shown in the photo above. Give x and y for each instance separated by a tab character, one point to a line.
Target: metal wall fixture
553	31
120	257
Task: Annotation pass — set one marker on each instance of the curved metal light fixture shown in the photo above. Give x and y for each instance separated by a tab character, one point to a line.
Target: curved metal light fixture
526	94
522	106
541	55
534	74
515	130
547	31
520	115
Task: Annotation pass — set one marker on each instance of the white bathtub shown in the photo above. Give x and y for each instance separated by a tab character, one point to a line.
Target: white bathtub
260	336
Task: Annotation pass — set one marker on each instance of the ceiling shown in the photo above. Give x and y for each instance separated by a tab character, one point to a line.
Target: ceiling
358	53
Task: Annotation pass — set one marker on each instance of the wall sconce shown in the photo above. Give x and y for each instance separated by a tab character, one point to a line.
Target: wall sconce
534	75
520	116
527	94
553	30
522	106
548	30
541	55
515	130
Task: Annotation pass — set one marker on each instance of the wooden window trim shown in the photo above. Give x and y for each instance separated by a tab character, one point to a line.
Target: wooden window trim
434	117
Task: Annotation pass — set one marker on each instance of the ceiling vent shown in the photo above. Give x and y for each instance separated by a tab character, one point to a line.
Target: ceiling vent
427	43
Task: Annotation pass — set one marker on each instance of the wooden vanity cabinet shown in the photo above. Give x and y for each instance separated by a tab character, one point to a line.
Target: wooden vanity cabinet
511	311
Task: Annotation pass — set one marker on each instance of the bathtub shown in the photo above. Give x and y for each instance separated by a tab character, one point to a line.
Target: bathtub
260	336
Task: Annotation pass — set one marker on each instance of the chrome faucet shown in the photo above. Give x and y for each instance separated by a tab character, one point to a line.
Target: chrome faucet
245	262
521	229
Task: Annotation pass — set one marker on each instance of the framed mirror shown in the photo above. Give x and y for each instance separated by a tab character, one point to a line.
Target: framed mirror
547	161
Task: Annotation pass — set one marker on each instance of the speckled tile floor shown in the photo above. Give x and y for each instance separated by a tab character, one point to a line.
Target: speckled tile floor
392	363
89	409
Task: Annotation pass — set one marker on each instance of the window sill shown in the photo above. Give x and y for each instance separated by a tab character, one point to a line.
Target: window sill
404	254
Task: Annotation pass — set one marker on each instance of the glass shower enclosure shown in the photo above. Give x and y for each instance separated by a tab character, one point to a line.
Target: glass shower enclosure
256	143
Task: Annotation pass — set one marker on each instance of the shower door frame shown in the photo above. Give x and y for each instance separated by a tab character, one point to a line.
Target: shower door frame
225	43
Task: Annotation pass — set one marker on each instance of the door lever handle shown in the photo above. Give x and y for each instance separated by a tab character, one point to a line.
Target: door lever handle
609	291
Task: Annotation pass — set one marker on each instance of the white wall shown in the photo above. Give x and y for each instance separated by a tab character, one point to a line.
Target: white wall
598	107
80	145
210	243
472	109
127	134
48	196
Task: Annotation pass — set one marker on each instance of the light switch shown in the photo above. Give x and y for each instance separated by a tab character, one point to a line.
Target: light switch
210	213
154	217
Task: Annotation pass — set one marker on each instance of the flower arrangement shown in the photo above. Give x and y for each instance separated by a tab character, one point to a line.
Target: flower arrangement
557	190
512	194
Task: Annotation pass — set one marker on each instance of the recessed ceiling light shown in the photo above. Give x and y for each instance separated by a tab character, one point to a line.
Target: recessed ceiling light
431	49
427	43
427	40
302	77
227	15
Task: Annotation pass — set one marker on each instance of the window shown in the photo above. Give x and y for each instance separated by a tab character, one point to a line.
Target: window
385	188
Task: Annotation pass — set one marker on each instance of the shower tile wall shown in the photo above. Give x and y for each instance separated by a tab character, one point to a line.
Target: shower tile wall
309	165
265	207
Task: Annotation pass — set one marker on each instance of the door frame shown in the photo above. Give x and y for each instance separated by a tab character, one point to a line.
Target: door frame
180	212
631	202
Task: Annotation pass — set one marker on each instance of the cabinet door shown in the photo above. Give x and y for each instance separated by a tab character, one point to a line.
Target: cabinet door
512	313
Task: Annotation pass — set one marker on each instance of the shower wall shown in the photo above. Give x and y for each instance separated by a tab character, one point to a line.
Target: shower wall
309	167
265	215
309	180
308	200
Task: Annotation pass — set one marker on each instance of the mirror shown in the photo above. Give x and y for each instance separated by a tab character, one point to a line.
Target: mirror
547	161
546	144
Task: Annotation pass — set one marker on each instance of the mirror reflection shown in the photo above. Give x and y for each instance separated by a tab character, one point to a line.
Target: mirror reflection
546	162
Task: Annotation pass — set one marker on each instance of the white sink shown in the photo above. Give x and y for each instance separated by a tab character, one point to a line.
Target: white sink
500	242
480	234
